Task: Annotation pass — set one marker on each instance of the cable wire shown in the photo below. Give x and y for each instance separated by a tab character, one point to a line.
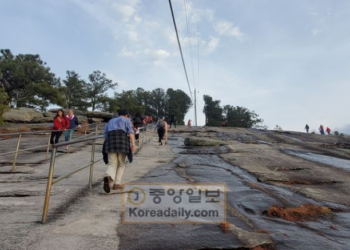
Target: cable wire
178	41
189	45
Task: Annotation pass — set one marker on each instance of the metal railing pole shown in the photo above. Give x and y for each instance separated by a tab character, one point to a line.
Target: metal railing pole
49	185
15	158
84	137
96	129
48	146
92	163
70	138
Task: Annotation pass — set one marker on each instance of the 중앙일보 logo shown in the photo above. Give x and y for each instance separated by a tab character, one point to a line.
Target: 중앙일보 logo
174	203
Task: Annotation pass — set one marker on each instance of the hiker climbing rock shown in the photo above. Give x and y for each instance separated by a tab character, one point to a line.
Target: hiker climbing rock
172	120
118	133
328	130
321	129
307	128
189	123
161	127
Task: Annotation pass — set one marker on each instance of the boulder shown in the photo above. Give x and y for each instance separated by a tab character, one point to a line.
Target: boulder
49	114
96	120
195	141
76	112
97	114
42	120
82	119
22	115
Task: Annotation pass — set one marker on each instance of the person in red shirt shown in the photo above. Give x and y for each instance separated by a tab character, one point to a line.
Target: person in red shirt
189	123
328	130
60	124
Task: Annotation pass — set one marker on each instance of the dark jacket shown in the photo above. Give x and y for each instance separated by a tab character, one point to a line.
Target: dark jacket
73	123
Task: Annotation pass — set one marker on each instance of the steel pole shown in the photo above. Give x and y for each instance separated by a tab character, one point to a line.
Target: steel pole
48	146
92	163
15	157
49	185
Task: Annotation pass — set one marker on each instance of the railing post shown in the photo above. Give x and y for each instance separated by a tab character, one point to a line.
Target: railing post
15	158
70	138
92	163
96	129
84	137
48	146
49	185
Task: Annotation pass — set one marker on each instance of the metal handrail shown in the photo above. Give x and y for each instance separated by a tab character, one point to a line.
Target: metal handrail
47	146
41	131
51	181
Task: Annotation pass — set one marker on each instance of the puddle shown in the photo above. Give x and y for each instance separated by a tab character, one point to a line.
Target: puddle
328	160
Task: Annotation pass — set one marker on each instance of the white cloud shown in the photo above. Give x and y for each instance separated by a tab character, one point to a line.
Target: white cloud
157	57
133	36
315	32
226	28
212	44
127	53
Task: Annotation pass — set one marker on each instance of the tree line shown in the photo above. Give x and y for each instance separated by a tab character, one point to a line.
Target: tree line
216	115
27	81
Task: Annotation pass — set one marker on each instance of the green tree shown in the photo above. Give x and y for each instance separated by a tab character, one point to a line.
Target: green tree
240	117
128	100
178	103
27	80
39	96
158	101
3	103
74	91
144	98
97	86
212	111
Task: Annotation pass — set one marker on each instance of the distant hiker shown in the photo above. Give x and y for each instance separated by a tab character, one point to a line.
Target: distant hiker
307	128
60	124
328	130
138	123
73	122
321	129
118	133
161	127
189	123
150	120
172	120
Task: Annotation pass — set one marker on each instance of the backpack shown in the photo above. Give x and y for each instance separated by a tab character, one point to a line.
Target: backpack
161	124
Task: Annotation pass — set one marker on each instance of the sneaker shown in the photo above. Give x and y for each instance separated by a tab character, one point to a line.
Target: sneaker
106	183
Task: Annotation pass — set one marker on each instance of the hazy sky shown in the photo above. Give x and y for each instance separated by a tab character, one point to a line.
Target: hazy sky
289	61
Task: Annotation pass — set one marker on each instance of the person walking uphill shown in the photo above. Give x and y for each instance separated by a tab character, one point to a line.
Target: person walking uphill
161	129
60	124
172	120
328	130
307	128
118	133
321	129
73	122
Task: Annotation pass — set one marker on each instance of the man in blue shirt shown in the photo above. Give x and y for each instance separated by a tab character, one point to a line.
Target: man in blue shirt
118	133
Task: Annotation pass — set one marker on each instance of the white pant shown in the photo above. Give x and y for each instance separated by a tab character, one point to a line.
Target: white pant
116	166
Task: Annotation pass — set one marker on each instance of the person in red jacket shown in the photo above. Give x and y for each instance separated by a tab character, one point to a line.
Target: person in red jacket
328	130
60	124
